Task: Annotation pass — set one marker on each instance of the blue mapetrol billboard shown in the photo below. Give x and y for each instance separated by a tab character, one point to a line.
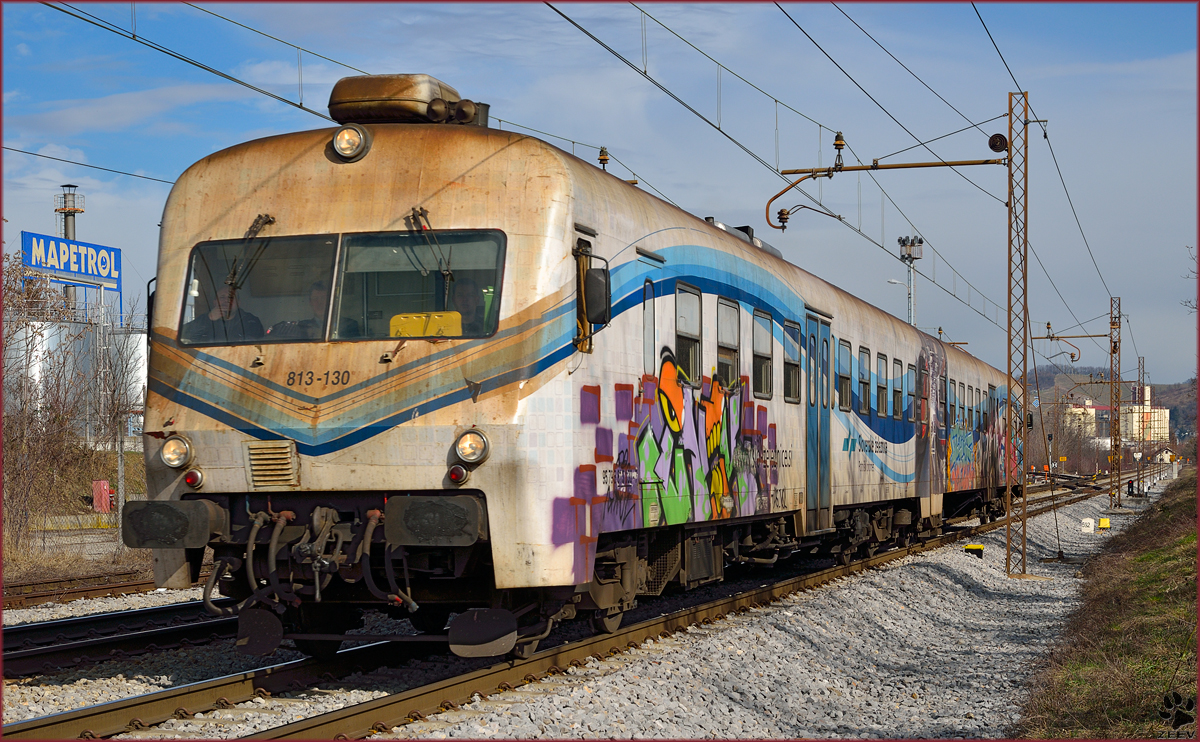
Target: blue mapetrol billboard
71	261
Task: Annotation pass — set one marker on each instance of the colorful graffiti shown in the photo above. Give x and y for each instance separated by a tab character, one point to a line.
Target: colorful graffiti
681	452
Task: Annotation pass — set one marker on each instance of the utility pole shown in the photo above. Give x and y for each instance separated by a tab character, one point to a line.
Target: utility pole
1142	410
910	251
1114	402
1016	433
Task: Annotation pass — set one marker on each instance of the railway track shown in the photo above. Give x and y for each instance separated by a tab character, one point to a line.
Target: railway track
363	719
51	646
24	595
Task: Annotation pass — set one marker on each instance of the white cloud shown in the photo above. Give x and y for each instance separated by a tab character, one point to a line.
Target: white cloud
121	111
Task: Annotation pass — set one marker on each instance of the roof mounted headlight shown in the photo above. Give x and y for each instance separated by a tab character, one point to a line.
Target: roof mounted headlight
351	142
176	451
472	446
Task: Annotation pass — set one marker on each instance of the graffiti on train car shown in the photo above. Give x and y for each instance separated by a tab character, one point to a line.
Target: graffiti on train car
961	459
687	452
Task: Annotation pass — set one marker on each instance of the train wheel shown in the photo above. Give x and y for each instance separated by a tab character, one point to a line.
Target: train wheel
844	557
602	624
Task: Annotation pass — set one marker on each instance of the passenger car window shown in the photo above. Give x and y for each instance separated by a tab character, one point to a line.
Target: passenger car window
791	362
728	341
763	371
687	332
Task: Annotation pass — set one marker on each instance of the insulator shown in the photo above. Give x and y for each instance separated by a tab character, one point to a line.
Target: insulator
604	157
783	219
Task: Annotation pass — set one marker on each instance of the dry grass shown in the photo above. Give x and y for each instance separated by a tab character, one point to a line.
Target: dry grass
35	564
1133	639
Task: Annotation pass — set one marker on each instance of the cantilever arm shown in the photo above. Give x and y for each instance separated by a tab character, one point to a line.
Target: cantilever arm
828	172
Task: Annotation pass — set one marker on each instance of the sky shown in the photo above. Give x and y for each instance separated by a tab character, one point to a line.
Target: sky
1114	82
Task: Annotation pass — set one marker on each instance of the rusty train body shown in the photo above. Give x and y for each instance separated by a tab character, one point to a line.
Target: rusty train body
424	365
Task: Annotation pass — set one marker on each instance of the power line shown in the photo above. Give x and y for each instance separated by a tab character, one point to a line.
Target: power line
269	36
877	103
714	61
1046	136
964	117
930	141
906	69
758	159
111	28
94	167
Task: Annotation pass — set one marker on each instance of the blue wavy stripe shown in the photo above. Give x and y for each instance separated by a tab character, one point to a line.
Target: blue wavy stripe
892	474
307	444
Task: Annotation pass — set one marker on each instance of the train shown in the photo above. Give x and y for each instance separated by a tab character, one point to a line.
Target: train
420	364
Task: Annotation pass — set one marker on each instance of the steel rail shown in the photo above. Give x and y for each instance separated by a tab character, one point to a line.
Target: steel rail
142	712
61	591
184	701
379	715
49	646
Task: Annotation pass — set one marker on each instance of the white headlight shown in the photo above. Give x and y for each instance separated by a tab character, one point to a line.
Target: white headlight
351	142
472	446
175	452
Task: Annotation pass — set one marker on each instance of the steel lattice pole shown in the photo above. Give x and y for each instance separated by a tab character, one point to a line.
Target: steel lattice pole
1114	402
1016	433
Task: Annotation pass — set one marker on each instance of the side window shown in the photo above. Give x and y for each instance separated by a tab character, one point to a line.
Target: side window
910	386
897	388
962	404
881	385
990	410
971	407
825	373
648	355
687	332
791	362
763	369
728	341
978	408
812	370
864	381
843	371
945	411
951	421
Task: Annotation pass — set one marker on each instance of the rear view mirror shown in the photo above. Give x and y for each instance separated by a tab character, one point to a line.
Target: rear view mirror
597	297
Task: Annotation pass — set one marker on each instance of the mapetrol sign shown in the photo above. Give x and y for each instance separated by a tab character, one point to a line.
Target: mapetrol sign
72	262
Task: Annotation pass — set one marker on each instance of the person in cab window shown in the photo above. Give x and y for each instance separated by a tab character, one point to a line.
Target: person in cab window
313	328
225	322
468	302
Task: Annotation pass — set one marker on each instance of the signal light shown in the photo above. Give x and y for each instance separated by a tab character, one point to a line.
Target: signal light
194	478
458	474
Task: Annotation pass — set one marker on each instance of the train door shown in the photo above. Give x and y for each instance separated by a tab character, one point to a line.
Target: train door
818	504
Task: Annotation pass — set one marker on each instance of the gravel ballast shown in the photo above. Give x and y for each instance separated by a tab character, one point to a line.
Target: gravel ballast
88	606
933	645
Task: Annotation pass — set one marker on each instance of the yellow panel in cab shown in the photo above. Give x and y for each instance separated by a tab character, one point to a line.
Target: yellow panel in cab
426	324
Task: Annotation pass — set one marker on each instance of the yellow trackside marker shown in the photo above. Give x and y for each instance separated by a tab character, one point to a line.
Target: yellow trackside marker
974	550
1103	523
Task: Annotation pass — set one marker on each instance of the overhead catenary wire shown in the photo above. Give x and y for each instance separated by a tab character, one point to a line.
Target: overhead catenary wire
631	65
111	28
972	125
94	167
880	105
763	162
99	22
1053	157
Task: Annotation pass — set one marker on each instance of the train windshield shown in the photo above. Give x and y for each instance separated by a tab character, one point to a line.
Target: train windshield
273	289
421	284
388	284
